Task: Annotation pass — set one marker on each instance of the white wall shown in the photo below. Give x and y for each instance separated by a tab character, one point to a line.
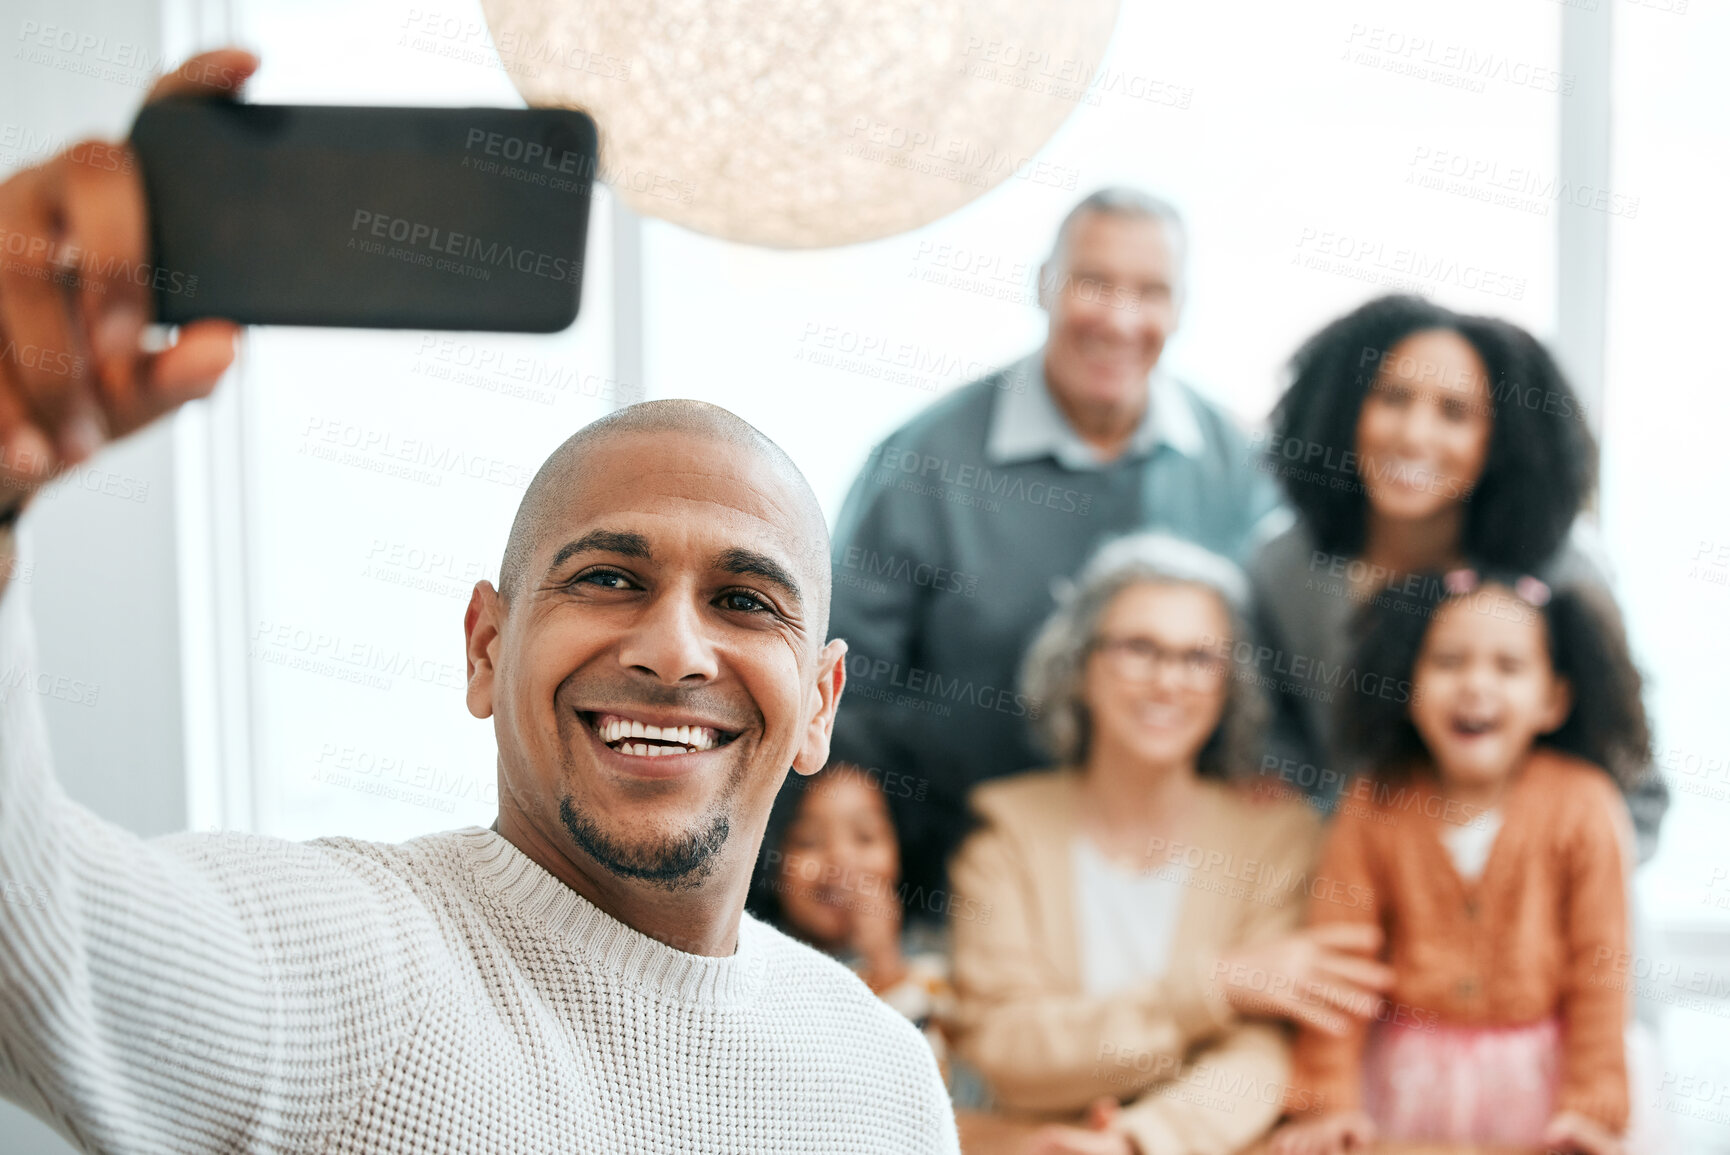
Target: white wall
101	564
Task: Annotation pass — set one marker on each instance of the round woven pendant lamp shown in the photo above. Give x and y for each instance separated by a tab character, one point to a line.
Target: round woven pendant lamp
808	123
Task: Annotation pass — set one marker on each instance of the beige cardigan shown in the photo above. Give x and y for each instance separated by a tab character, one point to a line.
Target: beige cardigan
1197	1078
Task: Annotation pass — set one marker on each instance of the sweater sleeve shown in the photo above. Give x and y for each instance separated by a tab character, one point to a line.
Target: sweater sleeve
1230	1091
1043	1050
1329	1068
190	994
1594	997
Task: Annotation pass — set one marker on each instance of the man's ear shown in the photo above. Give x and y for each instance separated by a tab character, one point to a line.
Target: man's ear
1047	289
481	623
813	753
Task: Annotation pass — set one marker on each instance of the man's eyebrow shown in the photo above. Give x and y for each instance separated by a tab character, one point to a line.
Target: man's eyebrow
749	561
605	540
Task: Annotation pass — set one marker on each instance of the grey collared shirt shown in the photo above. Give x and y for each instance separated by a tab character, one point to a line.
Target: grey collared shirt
1027	424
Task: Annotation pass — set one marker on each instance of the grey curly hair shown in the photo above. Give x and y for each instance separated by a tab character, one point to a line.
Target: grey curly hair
1052	671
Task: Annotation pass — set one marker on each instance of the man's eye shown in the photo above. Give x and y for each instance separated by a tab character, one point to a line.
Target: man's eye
609	579
743	601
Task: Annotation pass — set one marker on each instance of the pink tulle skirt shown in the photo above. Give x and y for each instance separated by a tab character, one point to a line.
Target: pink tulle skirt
1462	1084
1493	1085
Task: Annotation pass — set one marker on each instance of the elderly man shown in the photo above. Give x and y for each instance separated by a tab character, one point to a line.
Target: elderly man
953	536
579	977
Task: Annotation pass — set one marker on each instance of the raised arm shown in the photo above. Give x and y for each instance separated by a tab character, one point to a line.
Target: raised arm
180	994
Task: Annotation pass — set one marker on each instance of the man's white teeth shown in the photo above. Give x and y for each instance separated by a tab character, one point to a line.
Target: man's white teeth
644	751
612	728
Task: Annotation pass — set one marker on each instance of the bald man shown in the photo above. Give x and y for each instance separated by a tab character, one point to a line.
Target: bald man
579	977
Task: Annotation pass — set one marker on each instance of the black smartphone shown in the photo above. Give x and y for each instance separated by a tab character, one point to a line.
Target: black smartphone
399	218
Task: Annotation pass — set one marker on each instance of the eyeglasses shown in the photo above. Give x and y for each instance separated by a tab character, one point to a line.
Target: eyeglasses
1140	659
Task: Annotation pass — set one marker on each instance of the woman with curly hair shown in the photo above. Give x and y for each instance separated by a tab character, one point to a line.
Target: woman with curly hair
1411	438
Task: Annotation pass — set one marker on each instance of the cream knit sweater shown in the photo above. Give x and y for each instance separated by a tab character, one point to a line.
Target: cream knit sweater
238	993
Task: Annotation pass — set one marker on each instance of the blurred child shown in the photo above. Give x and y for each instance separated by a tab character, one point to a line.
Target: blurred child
1498	719
829	874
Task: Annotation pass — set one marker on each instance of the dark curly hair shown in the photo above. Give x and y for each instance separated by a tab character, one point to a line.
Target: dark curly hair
1607	725
1542	459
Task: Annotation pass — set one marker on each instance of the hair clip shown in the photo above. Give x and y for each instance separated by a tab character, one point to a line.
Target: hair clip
1527	588
1532	591
1461	581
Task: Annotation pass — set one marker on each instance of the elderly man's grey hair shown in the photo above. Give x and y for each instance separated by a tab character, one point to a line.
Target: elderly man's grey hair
1052	673
1122	201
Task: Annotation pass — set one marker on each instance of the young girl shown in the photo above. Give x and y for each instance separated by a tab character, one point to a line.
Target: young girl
830	873
1499	719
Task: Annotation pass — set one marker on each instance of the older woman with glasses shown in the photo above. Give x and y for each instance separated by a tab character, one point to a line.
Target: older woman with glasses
1132	914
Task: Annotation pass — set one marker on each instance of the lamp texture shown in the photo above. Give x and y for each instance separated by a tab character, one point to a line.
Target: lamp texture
809	123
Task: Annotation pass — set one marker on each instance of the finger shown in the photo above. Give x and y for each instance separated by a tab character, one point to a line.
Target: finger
1101	1112
187	370
44	355
26	458
1342	995
1311	1015
218	73
1039	1143
1356	937
1559	1138
102	207
1356	969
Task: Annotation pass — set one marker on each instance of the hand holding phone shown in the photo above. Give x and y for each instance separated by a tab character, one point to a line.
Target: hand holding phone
73	239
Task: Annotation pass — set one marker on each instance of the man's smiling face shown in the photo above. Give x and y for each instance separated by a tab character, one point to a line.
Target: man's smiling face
660	662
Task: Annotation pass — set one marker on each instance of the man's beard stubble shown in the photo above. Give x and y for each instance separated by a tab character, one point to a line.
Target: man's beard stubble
678	863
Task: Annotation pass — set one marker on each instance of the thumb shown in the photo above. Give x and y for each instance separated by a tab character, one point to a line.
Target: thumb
209	74
200	355
185	371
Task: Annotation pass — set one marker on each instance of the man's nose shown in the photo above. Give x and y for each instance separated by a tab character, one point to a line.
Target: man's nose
1122	313
669	641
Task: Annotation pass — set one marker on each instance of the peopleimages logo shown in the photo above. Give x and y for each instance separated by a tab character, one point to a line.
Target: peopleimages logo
926	473
463	246
933	685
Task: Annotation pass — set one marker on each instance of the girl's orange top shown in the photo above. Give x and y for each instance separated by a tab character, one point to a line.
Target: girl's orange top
1542	932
